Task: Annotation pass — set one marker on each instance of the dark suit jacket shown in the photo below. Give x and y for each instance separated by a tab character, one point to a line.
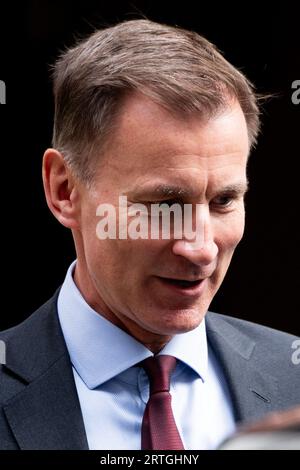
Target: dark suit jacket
39	407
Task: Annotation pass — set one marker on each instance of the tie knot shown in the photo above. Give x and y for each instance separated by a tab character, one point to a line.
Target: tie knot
159	370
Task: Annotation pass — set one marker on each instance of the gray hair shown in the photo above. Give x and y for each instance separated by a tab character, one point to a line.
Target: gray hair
176	68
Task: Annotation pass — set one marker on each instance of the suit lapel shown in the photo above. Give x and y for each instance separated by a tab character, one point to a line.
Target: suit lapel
46	413
254	392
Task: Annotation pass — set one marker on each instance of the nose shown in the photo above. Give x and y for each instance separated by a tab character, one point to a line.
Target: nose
198	246
202	256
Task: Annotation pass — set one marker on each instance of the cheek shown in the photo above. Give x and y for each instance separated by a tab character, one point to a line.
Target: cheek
126	260
234	236
88	223
230	233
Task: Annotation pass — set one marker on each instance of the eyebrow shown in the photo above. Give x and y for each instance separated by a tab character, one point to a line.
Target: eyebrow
178	192
237	188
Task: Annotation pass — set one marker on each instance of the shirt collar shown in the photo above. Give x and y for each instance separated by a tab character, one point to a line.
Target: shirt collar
99	350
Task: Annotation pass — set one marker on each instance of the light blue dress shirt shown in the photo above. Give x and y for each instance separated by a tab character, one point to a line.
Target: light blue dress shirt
113	391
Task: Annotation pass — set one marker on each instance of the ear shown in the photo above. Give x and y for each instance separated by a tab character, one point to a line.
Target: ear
61	189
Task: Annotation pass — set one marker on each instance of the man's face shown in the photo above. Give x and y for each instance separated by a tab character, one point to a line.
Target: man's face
154	157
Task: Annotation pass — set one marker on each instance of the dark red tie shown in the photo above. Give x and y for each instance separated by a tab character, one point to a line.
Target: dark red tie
159	430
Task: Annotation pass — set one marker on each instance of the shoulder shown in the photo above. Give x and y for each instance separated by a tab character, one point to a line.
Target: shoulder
253	330
30	348
269	348
35	320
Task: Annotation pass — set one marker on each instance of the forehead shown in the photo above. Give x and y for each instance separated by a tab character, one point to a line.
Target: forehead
149	144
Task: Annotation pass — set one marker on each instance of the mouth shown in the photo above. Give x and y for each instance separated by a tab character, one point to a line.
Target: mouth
183	286
182	282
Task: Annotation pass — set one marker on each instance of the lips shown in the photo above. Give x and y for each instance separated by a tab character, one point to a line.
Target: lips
183	283
182	287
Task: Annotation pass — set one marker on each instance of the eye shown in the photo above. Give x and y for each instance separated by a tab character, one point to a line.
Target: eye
164	208
223	202
168	202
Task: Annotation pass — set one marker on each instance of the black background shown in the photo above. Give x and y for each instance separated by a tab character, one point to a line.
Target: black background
263	281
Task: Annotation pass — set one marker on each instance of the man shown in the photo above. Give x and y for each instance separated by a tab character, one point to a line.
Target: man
145	114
